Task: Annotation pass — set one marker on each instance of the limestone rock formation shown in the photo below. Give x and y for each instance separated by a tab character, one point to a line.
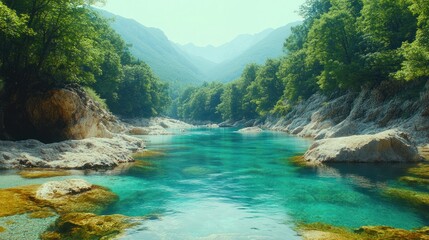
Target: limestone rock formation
57	114
387	146
90	153
372	110
57	189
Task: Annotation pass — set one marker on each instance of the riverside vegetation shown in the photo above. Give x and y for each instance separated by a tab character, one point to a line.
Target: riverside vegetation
351	67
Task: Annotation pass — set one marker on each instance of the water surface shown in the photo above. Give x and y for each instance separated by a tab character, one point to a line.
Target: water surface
220	184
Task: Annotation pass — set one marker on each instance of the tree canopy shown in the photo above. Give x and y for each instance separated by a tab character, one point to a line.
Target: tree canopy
45	43
341	46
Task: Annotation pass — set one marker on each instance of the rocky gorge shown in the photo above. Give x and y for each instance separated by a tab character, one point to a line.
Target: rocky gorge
372	126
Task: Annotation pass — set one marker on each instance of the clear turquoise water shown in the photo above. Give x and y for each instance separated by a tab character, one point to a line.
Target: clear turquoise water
220	184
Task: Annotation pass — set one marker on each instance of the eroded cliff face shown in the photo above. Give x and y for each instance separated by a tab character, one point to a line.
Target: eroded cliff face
372	110
56	114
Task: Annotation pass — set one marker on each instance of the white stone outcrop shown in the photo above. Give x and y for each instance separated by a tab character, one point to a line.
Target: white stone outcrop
57	189
90	153
387	146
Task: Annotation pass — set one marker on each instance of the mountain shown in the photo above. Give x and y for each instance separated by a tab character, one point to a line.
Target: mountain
192	65
228	50
269	47
153	47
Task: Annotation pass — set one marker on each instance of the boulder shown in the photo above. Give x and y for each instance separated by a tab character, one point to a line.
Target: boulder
57	189
387	146
57	114
250	130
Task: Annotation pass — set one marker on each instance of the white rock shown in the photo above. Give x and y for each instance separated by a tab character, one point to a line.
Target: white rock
58	189
72	154
387	146
250	130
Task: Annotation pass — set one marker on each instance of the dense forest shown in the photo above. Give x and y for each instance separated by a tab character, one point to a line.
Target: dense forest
46	44
342	45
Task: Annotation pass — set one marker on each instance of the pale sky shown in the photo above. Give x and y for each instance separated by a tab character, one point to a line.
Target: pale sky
207	22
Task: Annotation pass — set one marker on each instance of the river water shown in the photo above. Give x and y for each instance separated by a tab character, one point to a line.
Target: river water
221	184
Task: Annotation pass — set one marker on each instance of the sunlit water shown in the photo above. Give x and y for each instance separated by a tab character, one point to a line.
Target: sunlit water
220	184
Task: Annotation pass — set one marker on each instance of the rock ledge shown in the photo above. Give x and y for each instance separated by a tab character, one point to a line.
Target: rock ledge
387	146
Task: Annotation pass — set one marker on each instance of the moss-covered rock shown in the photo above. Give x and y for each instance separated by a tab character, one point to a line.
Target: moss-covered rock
389	233
322	231
87	226
76	201
19	200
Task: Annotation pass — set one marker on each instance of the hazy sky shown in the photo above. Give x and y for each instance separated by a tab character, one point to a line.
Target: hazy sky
205	22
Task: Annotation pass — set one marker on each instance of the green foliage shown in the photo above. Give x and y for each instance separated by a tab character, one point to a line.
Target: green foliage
333	42
416	53
51	43
267	88
95	97
11	24
342	45
141	94
200	103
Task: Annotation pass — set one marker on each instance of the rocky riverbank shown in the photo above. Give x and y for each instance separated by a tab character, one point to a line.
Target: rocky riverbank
370	111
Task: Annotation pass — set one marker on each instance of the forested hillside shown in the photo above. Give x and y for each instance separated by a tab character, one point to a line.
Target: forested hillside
153	47
49	44
341	46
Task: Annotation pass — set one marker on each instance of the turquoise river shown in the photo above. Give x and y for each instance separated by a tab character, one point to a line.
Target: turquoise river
221	184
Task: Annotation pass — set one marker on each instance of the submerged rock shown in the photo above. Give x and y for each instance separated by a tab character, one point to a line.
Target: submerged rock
322	231
58	196
75	201
87	226
387	146
72	154
250	130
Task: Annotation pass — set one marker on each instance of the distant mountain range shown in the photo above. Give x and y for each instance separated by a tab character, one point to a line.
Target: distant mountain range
189	64
228	50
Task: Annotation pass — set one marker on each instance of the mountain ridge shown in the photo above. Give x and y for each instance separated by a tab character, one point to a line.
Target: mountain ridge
179	65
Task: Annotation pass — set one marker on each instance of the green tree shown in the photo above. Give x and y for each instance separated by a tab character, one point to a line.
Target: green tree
63	48
141	94
416	53
385	25
333	41
267	88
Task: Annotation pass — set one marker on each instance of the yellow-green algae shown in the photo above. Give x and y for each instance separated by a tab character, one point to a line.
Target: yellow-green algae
19	200
42	214
424	152
299	161
77	219
419	199
87	226
414	180
2	229
148	154
421	170
322	231
43	173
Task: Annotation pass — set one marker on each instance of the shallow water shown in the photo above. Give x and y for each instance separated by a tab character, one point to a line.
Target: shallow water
220	184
